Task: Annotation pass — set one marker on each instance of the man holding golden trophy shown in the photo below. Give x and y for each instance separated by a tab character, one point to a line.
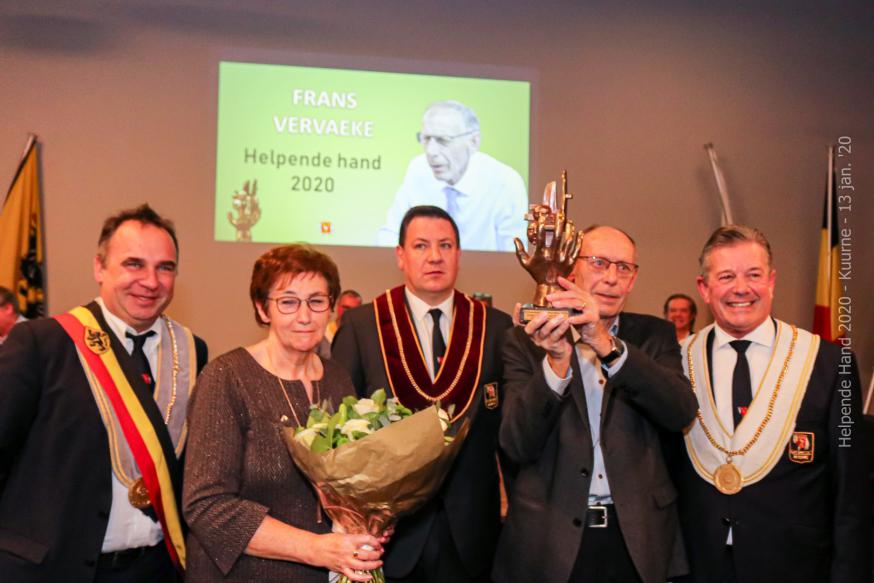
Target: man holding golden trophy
588	389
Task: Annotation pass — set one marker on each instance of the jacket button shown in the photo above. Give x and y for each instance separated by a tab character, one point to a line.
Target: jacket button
726	521
577	522
585	472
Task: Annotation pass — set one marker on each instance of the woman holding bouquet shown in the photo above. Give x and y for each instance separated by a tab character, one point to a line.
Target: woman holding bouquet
253	516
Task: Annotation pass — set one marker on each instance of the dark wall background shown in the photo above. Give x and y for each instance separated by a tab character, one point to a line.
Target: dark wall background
123	95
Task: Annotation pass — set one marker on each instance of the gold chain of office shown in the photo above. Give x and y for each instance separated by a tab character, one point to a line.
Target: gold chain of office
768	415
406	366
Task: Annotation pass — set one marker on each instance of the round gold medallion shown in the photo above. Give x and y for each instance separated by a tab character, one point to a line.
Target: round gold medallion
138	494
727	478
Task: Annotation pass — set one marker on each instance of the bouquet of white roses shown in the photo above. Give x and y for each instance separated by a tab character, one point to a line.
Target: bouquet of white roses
373	460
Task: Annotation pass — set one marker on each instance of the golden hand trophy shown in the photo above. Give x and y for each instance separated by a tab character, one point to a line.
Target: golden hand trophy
553	246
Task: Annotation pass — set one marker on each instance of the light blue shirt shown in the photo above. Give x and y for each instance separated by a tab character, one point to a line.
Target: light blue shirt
492	202
593	384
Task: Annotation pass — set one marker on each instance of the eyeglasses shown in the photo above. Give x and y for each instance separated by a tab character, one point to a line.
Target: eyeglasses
291	304
442	141
600	265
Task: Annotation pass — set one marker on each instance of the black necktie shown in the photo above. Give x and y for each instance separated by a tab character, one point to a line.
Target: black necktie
438	346
741	385
139	356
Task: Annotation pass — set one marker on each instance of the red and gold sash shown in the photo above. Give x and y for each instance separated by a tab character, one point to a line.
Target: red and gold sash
95	352
405	367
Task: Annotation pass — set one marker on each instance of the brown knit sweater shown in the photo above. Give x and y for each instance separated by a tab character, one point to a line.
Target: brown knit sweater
238	470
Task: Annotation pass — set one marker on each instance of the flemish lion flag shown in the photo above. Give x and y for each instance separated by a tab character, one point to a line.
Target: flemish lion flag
21	247
825	314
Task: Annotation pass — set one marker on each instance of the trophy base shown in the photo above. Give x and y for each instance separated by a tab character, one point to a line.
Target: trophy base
529	311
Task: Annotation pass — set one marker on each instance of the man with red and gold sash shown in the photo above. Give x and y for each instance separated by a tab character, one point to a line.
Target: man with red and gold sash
92	422
774	484
425	341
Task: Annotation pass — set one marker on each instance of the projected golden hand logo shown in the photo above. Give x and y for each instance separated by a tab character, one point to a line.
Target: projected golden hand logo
247	210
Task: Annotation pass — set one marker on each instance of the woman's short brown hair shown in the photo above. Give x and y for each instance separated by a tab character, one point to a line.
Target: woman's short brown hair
290	260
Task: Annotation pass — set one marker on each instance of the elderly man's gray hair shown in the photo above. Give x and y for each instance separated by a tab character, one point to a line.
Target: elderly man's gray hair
471	121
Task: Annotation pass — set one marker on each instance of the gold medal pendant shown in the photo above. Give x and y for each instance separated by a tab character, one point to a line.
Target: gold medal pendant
138	494
727	478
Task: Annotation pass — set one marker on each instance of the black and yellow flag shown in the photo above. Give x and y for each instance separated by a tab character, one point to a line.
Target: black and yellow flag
825	313
21	243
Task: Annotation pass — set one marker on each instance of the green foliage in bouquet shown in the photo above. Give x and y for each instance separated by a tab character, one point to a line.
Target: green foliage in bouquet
354	419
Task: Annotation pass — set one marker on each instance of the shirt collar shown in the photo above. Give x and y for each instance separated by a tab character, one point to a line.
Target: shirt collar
119	327
763	335
470	180
419	308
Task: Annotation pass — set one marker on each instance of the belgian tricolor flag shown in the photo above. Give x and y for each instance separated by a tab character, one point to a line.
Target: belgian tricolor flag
21	243
825	314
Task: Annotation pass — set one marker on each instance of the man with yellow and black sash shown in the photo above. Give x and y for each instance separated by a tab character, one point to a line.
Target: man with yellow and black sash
92	422
774	484
425	341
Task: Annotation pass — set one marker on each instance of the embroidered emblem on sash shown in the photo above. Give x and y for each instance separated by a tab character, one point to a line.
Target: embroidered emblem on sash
97	341
490	395
802	447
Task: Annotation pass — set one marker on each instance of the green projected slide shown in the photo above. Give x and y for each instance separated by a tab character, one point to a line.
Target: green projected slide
320	155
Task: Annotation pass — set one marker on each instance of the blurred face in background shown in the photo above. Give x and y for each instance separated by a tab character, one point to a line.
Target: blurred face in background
346	302
680	313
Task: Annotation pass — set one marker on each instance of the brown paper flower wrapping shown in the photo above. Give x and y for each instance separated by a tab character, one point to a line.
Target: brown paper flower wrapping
367	485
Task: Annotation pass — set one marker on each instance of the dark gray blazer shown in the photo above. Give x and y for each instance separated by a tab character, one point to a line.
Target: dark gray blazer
549	437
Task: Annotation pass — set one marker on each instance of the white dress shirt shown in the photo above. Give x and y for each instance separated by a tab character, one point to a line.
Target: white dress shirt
128	527
724	358
592	371
492	203
424	324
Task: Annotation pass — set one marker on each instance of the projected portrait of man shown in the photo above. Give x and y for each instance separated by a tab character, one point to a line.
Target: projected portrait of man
486	198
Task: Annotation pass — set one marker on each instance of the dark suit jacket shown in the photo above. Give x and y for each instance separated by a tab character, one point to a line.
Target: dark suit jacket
55	471
470	495
549	437
805	523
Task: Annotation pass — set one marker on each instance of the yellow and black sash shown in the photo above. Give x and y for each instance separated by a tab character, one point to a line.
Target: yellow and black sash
405	366
139	417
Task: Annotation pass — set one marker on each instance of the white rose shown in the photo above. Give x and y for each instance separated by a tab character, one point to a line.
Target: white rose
352	425
307	436
444	418
365	406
